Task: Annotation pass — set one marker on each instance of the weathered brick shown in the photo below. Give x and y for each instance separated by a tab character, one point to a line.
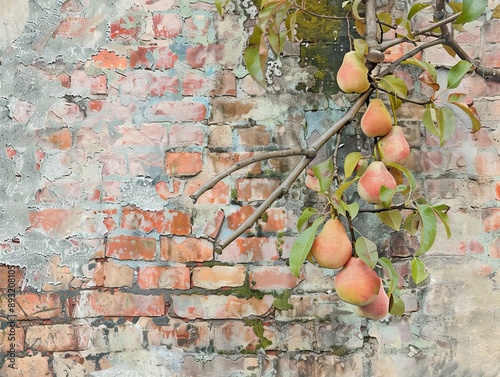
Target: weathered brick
236	336
196	26
218	162
255	249
131	247
191	336
11	277
108	304
182	249
109	60
313	306
487	164
166	25
219	194
11	338
494	249
33	365
272	277
126	28
185	135
164	222
168	190
32	305
161	58
202	56
177	112
217	277
69	364
250	189
253	136
59	338
125	336
117	275
180	164
210	306
143	84
151	277
491	219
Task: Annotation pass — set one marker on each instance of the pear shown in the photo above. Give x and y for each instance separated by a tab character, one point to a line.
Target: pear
377	309
332	247
393	147
372	180
356	283
376	121
352	76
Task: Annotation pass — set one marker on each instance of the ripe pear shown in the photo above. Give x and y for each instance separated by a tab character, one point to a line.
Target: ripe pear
352	76
372	180
356	283
332	247
378	308
376	121
393	147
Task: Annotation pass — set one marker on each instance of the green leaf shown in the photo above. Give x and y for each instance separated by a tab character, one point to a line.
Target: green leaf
290	23
361	47
394	85
418	270
221	5
343	186
465	104
471	9
366	250
393	275
350	163
307	213
405	23
429	119
417	8
396	306
411	223
440	210
392	218
324	173
426	66
385	19
428	228
386	195
457	73
447	124
407	173
353	209
302	246
255	56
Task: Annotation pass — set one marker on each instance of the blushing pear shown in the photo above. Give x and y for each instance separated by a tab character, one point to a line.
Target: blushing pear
356	283
352	76
393	147
332	247
377	309
372	180
376	121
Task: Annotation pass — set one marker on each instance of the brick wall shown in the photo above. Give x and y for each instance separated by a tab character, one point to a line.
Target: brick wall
113	113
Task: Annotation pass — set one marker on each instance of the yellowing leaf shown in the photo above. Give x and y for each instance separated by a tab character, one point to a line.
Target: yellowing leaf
392	218
366	250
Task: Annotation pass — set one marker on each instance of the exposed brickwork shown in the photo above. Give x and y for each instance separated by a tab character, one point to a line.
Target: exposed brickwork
115	113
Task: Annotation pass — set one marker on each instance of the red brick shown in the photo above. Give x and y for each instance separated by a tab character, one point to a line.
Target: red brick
272	277
491	219
165	222
167	191
11	276
33	306
497	190
126	28
219	307
189	336
238	217
185	135
109	60
487	164
178	111
131	247
217	277
214	224
61	139
196	84
219	194
61	222
183	163
58	338
114	304
153	58
116	275
494	248
144	84
255	249
274	220
225	84
394	53
202	56
490	56
12	334
166	25
164	277
250	189
181	249
32	365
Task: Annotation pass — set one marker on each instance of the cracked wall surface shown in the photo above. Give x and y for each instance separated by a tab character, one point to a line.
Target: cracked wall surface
113	112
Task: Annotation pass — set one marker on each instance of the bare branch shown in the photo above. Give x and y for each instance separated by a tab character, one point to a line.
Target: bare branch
248	161
375	54
292	177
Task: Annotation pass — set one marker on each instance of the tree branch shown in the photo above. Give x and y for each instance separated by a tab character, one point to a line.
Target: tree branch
375	54
294	174
248	161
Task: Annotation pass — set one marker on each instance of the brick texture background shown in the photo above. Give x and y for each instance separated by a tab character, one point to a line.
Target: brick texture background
113	113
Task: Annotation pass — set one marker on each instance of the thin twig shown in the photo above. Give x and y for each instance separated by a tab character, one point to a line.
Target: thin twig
403	99
248	161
